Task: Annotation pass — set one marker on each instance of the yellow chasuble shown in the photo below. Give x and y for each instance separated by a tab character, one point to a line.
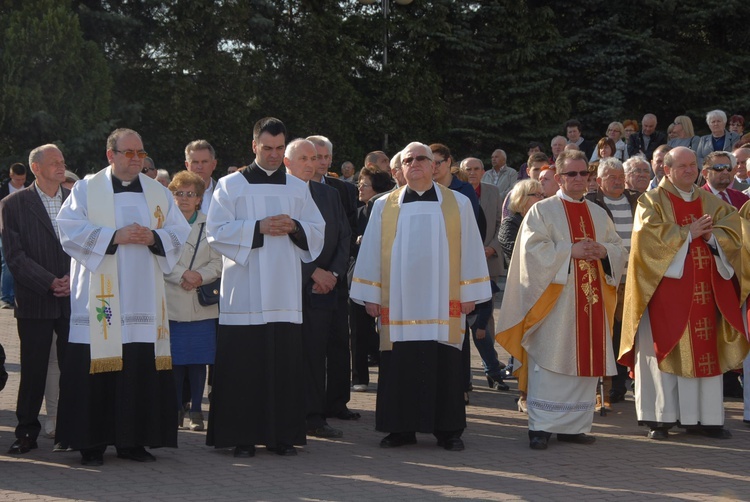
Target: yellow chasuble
656	240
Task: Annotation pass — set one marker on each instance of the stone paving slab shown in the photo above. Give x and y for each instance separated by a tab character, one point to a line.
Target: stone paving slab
496	465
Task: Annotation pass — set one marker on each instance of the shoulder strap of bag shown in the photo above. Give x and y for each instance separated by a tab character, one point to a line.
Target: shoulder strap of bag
197	243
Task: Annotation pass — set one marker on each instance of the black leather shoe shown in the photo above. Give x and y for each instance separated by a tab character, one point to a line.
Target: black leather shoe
23	445
451	444
616	396
347	415
576	438
396	439
137	454
717	433
92	458
285	450
497	384
538	443
244	451
325	431
659	434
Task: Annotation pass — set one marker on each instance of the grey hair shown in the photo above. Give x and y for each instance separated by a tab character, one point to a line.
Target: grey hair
37	154
716	113
634	162
608	163
463	162
321	141
291	148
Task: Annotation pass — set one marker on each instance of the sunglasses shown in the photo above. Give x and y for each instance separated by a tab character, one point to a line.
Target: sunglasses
409	160
180	193
132	153
722	167
573	174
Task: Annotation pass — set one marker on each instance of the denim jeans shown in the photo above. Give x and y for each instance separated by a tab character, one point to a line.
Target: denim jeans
486	349
6	282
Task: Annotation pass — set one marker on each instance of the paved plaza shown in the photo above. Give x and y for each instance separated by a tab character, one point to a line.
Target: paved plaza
496	465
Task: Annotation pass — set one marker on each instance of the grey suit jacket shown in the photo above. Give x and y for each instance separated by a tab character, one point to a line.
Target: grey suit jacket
34	255
491	205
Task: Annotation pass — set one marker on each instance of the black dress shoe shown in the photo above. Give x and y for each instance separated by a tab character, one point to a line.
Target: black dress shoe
538	443
137	454
576	438
92	458
658	433
347	415
285	450
451	444
23	445
717	433
497	383
244	451
325	431
616	396
396	439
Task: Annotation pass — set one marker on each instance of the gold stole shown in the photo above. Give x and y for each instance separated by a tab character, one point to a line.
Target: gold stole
104	288
452	218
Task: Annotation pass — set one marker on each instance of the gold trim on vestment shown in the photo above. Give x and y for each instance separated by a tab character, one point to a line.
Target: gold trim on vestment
443	322
474	281
366	282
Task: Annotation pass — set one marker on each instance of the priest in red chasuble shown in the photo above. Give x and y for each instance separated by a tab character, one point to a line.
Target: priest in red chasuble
682	326
559	303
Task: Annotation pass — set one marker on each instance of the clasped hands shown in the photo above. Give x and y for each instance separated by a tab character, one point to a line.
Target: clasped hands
281	224
588	249
190	280
702	227
61	286
134	234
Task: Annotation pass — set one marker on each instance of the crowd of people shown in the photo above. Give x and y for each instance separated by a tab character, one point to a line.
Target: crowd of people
281	283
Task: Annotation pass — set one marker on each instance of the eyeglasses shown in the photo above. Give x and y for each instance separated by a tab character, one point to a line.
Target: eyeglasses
132	153
573	174
639	171
409	160
722	167
439	161
180	193
147	169
538	195
364	185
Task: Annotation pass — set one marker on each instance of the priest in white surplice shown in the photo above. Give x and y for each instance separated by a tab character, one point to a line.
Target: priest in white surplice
263	221
420	269
558	306
123	233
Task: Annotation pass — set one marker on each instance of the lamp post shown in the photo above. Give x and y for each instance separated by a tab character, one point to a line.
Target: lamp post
385	6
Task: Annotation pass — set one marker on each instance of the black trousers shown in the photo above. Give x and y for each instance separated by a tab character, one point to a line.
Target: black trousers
338	359
36	341
364	341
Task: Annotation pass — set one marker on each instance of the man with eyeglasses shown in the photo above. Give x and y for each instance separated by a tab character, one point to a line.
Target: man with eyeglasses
149	168
620	204
741	154
718	173
637	174
200	158
41	270
420	269
682	326
123	232
556	316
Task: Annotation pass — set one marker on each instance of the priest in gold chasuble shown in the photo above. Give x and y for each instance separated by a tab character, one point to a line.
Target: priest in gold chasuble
682	325
558	308
420	269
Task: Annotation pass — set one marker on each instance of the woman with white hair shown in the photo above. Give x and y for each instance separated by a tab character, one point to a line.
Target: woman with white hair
719	140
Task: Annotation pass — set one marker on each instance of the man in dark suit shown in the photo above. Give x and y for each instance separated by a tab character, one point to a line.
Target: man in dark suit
41	269
17	180
323	281
718	173
338	384
647	139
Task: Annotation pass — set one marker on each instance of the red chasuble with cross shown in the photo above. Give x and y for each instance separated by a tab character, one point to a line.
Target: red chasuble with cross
591	348
695	302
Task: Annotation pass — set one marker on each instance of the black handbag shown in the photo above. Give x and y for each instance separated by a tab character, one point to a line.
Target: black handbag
208	294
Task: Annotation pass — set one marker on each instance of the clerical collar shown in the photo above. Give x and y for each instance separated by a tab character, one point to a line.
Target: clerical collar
686	196
120	186
429	195
564	196
255	174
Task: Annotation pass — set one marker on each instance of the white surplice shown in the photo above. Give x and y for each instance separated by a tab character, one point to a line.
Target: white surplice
261	285
419	277
87	244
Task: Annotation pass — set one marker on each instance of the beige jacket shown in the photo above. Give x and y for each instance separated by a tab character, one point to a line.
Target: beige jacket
183	305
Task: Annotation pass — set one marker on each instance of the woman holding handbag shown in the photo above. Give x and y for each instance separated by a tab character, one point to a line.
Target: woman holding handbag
192	324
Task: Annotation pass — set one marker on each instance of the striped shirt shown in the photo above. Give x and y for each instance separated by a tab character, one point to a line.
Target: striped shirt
622	215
